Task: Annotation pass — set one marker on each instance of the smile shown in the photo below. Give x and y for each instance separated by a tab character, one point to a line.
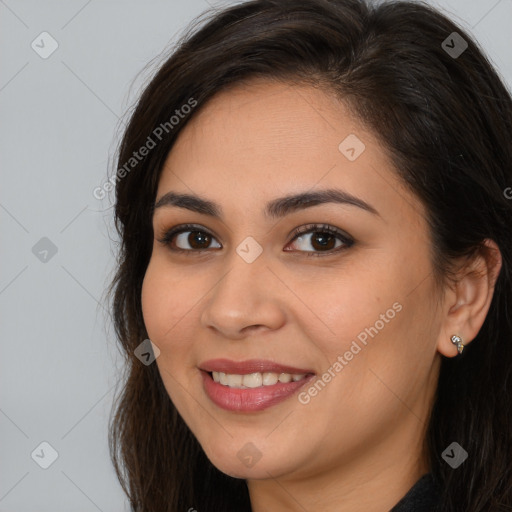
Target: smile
258	395
254	380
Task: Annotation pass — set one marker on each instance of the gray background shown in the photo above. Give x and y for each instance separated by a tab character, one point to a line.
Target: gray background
61	119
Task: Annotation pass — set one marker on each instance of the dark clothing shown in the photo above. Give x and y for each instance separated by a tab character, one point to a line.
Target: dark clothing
423	496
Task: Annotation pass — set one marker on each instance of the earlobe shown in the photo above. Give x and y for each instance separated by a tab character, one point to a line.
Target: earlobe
469	301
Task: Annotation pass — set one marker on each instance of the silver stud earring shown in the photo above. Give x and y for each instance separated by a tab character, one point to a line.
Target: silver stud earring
457	340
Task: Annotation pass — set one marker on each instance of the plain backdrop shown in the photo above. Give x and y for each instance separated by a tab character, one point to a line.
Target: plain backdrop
60	120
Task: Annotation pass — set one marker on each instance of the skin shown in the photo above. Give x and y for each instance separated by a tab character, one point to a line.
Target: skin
357	444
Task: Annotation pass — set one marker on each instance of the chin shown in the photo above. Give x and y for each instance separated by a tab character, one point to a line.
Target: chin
249	463
260	471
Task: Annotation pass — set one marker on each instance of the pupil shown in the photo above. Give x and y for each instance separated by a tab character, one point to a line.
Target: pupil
198	236
322	239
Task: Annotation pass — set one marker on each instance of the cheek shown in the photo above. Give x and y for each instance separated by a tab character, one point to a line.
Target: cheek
154	302
371	319
341	308
166	308
166	299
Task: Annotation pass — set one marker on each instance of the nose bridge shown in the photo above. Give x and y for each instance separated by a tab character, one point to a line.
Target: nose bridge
245	278
243	296
246	265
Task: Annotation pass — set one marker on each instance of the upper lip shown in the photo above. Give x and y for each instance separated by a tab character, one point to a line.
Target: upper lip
249	366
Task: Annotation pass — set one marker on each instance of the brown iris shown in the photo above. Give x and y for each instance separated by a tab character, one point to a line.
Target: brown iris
199	237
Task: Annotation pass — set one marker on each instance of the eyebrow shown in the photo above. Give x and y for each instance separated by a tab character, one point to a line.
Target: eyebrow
274	209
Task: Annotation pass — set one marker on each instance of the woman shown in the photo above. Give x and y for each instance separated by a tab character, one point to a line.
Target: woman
313	200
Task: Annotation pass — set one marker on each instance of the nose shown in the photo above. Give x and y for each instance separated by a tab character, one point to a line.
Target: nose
248	298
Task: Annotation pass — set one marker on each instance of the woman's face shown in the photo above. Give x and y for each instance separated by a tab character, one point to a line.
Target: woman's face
355	309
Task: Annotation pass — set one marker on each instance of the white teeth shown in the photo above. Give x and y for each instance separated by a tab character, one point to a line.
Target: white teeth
254	380
234	381
269	378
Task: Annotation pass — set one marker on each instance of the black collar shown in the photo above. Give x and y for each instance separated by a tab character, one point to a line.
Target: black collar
423	496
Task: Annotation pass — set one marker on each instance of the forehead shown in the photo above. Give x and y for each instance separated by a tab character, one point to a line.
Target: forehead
265	123
264	139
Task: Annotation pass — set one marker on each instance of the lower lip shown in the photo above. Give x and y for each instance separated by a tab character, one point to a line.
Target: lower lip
250	399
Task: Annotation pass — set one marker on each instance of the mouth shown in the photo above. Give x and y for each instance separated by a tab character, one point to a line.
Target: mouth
256	379
251	386
231	367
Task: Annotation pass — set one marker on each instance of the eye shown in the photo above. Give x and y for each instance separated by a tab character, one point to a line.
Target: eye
323	239
187	234
191	238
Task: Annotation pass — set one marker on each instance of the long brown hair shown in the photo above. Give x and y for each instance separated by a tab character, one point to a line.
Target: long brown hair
446	121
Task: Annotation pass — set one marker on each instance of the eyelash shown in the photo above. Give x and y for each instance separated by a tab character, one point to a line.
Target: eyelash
315	228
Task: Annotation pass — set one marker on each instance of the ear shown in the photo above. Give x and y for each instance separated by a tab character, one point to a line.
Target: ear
467	303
